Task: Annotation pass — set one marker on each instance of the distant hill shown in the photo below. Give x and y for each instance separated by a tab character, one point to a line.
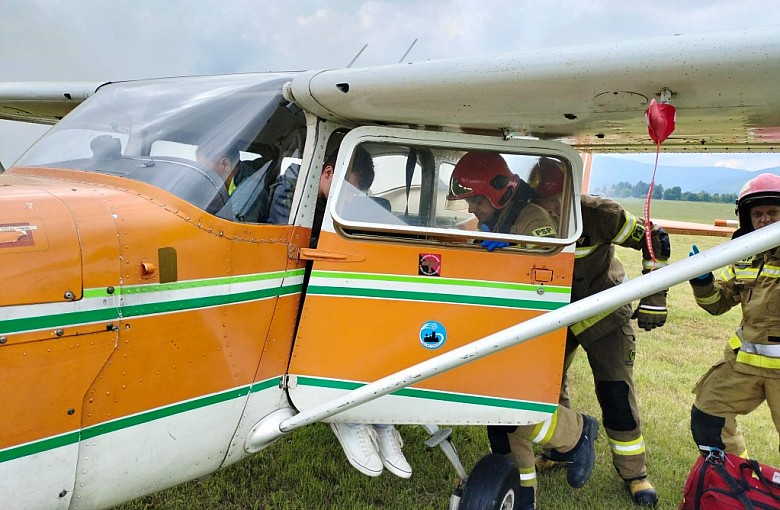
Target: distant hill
608	172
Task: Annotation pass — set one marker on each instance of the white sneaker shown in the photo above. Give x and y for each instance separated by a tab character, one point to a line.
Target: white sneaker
390	444
360	446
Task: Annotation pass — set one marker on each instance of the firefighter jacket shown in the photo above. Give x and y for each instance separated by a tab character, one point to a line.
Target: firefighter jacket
605	224
523	217
531	220
753	282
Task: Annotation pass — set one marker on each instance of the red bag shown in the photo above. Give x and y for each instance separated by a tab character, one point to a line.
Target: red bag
722	481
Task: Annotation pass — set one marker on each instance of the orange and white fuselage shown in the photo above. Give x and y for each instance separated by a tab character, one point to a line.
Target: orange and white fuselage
144	332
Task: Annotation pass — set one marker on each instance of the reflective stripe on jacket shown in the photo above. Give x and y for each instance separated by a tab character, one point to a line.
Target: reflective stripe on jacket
755	284
605	224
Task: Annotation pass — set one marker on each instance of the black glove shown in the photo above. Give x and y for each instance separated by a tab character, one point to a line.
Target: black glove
651	312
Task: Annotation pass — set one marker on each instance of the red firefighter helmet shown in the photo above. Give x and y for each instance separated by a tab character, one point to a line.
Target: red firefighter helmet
547	177
761	190
483	173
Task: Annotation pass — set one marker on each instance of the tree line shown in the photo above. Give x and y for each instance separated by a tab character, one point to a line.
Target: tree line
625	189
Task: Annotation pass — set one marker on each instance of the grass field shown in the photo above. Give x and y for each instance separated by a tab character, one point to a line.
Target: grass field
308	470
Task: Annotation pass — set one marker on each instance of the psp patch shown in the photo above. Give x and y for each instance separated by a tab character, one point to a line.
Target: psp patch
543	232
430	264
638	233
432	335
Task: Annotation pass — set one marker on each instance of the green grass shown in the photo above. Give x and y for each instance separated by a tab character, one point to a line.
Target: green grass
308	470
701	212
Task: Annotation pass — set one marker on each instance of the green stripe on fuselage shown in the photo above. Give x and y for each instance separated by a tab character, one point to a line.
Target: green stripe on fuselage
459	398
74	437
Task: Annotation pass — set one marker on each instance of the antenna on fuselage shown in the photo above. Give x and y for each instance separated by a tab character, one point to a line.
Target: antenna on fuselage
356	56
407	51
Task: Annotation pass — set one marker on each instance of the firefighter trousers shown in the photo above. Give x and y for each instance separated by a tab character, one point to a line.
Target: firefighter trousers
722	393
560	432
611	360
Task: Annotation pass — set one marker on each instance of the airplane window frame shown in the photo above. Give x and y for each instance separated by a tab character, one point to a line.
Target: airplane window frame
571	219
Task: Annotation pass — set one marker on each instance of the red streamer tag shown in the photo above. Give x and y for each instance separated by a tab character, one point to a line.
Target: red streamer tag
660	120
660	124
648	223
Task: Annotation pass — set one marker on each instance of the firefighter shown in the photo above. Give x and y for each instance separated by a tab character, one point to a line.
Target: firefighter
608	339
749	373
501	201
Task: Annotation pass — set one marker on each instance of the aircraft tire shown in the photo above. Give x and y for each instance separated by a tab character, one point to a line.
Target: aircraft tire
493	484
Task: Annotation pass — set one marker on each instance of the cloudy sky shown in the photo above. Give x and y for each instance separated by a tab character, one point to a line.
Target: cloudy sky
103	40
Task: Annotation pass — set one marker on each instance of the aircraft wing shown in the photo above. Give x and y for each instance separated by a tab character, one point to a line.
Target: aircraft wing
42	102
593	97
590	96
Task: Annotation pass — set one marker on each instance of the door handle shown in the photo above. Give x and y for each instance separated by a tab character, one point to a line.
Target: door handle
327	255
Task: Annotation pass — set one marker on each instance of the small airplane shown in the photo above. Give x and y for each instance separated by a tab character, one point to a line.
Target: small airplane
156	327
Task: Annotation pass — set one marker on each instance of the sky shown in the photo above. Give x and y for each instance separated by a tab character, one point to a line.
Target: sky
105	40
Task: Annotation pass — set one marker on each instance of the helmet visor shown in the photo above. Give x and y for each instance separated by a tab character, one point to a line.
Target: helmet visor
458	191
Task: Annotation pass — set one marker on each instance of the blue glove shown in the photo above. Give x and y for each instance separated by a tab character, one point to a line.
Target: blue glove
702	277
492	245
489	244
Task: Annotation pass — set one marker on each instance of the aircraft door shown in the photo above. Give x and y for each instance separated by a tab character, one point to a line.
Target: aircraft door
399	276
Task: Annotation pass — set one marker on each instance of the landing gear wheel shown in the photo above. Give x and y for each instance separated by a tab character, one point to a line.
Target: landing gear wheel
494	484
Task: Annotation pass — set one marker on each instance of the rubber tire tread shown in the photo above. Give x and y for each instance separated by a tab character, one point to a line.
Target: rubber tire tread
492	477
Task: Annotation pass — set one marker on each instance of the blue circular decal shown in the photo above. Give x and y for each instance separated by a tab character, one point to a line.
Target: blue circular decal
432	335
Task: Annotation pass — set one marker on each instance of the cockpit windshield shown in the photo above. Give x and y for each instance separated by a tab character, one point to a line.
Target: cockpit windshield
217	142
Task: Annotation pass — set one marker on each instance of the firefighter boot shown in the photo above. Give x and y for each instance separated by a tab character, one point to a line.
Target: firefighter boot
544	463
642	492
526	499
580	459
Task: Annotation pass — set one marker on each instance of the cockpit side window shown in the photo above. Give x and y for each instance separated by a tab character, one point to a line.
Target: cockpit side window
430	193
